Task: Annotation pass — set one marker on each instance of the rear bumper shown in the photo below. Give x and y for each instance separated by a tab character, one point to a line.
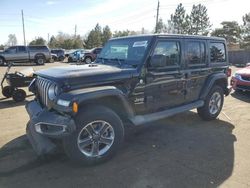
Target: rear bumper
44	125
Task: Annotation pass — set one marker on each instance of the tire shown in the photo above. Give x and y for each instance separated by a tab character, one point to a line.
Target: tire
70	59
213	104
7	91
2	61
19	95
40	60
87	60
93	119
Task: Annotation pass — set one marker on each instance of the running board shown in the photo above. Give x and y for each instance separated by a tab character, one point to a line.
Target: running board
142	119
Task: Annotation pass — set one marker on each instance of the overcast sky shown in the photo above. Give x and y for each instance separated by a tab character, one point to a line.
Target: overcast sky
51	16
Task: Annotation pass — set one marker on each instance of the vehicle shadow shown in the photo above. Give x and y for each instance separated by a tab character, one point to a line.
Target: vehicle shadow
181	151
241	95
10	103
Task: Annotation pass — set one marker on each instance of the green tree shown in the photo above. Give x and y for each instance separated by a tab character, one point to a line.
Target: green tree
38	41
199	21
106	34
12	41
1	47
78	42
121	33
94	38
53	43
231	31
246	32
160	26
179	20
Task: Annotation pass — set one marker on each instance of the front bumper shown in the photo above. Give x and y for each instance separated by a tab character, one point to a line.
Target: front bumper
44	125
240	84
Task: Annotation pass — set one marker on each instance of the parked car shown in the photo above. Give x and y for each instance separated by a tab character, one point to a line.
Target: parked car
241	79
75	55
60	53
18	54
135	80
90	55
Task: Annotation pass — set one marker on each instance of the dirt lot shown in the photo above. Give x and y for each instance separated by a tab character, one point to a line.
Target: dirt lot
182	151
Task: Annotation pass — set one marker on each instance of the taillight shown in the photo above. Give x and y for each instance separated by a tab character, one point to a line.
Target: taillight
229	72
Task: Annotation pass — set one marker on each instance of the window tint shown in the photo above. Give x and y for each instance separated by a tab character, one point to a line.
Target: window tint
195	53
21	49
170	50
35	48
11	50
217	52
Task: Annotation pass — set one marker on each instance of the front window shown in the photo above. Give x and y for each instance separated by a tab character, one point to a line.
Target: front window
128	51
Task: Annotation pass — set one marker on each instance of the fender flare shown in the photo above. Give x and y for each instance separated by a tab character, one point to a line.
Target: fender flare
211	81
91	94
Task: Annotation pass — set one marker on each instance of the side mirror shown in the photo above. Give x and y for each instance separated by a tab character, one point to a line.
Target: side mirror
158	60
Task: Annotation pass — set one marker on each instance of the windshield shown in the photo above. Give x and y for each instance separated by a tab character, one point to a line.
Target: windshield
124	51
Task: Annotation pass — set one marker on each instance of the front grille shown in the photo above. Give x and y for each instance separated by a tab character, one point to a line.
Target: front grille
246	78
43	85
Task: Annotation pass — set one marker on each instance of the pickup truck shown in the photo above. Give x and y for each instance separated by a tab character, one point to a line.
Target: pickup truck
17	54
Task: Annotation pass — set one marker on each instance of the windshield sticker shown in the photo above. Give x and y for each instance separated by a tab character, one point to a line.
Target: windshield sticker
140	44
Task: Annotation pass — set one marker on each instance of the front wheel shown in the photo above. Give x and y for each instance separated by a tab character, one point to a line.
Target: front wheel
213	104
2	62
98	136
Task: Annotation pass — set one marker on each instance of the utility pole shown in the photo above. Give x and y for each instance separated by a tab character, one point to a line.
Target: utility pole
24	40
157	17
75	30
48	39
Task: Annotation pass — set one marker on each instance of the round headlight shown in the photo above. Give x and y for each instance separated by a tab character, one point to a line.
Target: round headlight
53	91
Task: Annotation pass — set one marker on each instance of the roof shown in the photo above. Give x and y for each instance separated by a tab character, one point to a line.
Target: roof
172	36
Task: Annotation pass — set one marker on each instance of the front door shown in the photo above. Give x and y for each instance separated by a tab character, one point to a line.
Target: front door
164	87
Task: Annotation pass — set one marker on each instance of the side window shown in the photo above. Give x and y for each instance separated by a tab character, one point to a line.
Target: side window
169	52
21	49
217	52
195	53
11	50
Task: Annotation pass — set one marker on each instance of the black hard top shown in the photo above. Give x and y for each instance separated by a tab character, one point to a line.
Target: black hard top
173	36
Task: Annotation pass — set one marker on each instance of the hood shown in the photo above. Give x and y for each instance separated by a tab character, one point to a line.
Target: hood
245	71
90	74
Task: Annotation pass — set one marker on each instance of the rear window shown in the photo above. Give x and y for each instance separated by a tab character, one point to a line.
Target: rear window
217	52
195	53
38	48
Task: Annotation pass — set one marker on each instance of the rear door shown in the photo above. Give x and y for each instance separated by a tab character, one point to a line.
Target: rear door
196	68
164	82
22	54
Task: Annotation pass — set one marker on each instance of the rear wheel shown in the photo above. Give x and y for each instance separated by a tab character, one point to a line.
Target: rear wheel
213	104
87	60
7	91
99	134
19	95
40	60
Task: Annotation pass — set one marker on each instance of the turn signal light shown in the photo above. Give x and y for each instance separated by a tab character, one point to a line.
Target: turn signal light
75	107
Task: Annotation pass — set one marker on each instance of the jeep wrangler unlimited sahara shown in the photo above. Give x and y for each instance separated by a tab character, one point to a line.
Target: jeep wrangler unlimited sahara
135	80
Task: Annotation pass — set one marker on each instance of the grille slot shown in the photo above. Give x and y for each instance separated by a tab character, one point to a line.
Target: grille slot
247	78
43	85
